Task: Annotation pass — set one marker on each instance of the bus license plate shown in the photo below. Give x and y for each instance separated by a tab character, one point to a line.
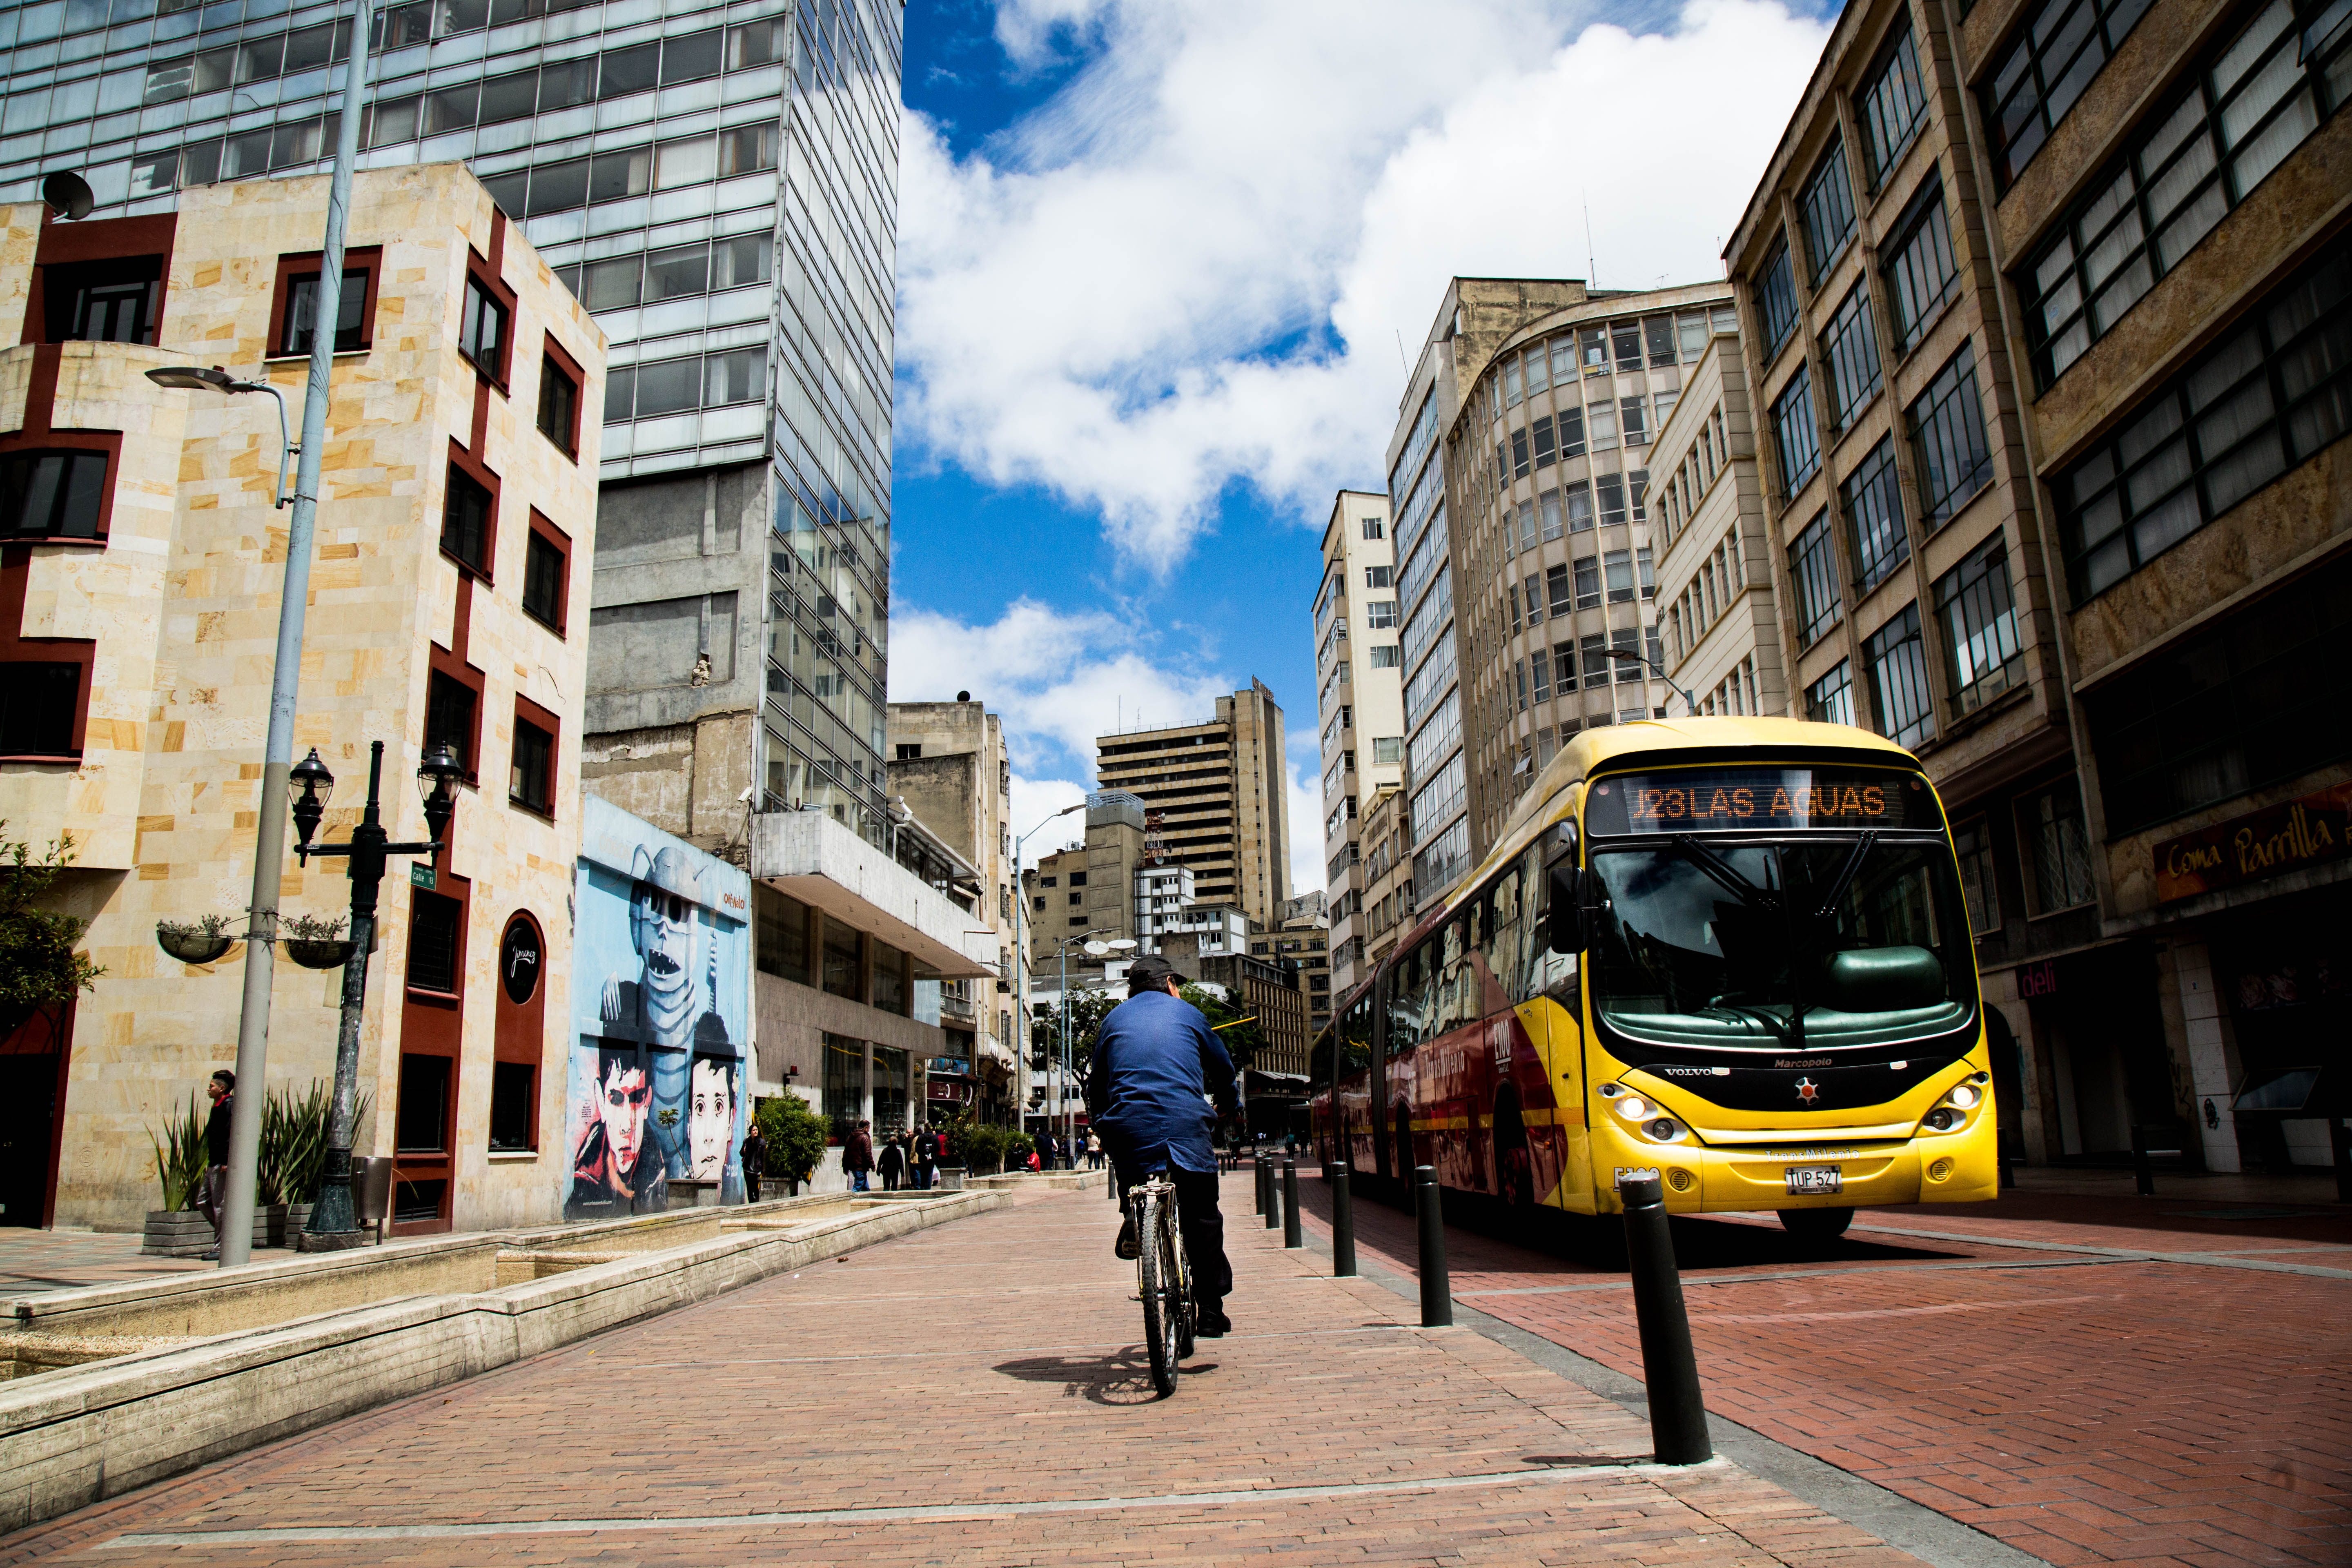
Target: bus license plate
1814	1179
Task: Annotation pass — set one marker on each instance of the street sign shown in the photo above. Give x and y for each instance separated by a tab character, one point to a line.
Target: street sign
420	874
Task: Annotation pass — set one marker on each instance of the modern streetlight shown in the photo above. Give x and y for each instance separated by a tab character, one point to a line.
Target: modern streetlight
334	1220
294	598
1020	952
1689	701
1084	939
215	378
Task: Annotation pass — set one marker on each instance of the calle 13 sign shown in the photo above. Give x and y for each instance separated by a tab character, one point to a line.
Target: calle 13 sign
2311	831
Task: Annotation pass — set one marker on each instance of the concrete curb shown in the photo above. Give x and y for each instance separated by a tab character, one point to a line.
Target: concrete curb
72	1438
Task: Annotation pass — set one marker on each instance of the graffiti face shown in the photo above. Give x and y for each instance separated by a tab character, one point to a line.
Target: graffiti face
710	1117
662	926
621	1102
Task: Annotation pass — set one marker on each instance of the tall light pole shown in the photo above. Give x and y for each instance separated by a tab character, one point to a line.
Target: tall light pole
1020	958
1621	654
278	749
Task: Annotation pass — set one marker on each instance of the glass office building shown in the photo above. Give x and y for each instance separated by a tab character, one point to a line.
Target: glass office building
718	183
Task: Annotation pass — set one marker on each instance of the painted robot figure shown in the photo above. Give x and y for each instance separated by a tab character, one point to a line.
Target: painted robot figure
669	1005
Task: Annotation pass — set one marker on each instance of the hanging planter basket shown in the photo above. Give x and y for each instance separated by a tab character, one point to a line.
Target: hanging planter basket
192	944
330	953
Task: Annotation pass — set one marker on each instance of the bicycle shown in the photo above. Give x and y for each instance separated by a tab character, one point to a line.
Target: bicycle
1163	1278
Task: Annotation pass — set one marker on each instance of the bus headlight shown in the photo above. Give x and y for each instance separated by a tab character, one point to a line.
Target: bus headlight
1943	1118
1631	1107
1964	1097
1665	1129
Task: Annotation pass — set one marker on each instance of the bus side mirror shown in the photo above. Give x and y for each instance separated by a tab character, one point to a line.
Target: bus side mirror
1564	916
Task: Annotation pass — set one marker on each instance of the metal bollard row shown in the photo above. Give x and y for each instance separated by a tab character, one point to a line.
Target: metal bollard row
1291	1237
1669	1368
1343	1223
1436	1287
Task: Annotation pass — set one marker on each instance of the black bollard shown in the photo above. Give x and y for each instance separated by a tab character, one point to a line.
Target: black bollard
1290	1236
2142	1173
1257	1177
1436	1290
1343	1223
1677	1414
1273	1192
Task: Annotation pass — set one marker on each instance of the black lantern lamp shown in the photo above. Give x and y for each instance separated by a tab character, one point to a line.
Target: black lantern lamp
437	777
310	777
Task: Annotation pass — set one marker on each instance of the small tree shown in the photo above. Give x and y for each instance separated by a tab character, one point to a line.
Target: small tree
38	965
1243	1041
795	1134
1082	1013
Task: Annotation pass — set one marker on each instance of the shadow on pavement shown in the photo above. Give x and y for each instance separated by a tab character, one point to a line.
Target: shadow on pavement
1123	1377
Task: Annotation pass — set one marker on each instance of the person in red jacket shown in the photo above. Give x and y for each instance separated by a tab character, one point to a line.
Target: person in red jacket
858	1157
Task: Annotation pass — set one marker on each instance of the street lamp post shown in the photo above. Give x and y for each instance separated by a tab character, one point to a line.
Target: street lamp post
1020	954
1061	1111
334	1221
277	747
1689	701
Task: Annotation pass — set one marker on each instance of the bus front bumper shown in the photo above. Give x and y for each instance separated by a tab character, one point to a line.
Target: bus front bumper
1953	1167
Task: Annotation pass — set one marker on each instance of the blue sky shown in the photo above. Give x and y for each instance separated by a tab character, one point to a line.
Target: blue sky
1154	259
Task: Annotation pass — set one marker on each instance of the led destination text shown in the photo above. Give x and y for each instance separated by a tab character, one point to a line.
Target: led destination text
1714	798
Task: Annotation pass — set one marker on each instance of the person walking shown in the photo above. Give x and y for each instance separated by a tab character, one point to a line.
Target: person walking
1094	1150
212	1188
755	1162
892	1161
857	1158
926	1162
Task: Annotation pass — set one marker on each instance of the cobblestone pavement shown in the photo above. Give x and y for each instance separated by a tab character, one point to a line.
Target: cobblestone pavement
975	1393
2087	1375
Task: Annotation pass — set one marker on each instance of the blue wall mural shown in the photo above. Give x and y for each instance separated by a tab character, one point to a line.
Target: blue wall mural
660	1074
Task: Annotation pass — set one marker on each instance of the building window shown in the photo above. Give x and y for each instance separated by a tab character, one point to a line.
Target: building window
1776	300
301	313
41	703
783	935
1980	624
1617	569
1794	439
530	777
1374	528
844	1084
1826	208
434	922
449	717
1948	440
1851	345
1812	571
422	1124
2256	99
117	301
1383	656
514	1107
1973	844
678	385
1890	108
466	521
482	330
1379	615
52	495
2227	708
1897	656
2060	859
559	405
1871	500
2264	399
1920	272
545	571
2059	49
844	974
1829	700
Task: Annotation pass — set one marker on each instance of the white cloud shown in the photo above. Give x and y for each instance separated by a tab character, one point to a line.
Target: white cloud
1089	304
1303	751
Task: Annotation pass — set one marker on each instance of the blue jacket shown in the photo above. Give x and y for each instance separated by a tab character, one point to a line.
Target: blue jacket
1157	1064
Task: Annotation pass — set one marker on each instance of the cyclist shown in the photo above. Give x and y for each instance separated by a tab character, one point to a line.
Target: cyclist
1156	1066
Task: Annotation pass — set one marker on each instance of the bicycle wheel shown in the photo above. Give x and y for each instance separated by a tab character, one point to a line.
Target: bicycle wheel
1156	1279
1187	1314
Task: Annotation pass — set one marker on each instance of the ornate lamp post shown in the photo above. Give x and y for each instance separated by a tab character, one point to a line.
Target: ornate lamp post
334	1221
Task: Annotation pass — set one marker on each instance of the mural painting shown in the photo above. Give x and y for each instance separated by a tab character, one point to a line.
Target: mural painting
660	1058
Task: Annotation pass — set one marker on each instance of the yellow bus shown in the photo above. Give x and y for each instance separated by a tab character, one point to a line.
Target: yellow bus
1731	952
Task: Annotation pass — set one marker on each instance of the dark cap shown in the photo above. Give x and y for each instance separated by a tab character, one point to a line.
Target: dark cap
1149	972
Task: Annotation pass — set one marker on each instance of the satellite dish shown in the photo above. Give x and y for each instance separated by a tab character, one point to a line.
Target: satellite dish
963	696
1098	948
68	194
1120	943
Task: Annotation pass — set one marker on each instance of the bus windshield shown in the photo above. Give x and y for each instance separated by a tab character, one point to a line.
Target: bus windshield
1844	941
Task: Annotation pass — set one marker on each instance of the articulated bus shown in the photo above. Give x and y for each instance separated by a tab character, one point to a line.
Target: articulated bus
1728	952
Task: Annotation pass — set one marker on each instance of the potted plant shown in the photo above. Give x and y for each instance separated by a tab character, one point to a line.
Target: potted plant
199	941
294	1136
795	1136
313	942
177	1229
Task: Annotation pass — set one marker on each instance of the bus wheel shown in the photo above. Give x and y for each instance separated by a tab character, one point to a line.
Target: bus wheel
1816	1224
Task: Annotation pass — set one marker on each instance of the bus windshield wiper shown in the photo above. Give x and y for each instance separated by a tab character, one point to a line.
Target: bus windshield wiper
1846	874
1724	874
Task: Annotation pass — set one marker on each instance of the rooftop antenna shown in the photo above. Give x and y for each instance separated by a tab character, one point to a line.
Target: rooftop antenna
1400	359
1590	267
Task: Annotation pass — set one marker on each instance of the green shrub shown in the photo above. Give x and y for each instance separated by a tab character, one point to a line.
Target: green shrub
180	1157
796	1135
294	1138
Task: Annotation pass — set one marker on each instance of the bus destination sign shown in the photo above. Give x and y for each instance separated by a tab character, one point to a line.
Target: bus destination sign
1702	800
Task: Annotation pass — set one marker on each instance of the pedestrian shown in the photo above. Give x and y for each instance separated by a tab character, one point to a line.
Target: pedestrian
926	1164
755	1162
858	1157
1094	1150
212	1190
892	1163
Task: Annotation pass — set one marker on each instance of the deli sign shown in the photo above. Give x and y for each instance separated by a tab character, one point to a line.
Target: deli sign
2311	831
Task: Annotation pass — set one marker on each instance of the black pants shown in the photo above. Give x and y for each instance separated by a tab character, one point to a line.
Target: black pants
1204	1227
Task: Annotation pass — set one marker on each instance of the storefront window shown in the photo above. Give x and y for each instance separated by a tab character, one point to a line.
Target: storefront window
889	1090
845	1084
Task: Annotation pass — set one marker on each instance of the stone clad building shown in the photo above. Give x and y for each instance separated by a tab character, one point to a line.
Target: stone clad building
139	607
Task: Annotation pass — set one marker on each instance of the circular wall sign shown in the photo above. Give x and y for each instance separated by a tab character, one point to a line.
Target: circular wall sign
518	959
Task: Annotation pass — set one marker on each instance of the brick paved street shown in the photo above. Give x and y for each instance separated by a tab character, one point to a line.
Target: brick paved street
975	1393
2018	1365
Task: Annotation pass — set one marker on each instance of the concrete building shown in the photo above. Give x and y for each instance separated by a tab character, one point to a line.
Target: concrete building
949	767
1388	882
1359	702
1258	988
139	611
1519	478
1303	941
2057	509
1214	796
1089	891
1719	619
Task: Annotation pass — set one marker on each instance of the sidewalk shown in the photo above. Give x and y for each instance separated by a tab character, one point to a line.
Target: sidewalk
976	1393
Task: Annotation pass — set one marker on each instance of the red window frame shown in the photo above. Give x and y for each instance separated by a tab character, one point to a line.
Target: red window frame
540	719
554	360
541	528
364	257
